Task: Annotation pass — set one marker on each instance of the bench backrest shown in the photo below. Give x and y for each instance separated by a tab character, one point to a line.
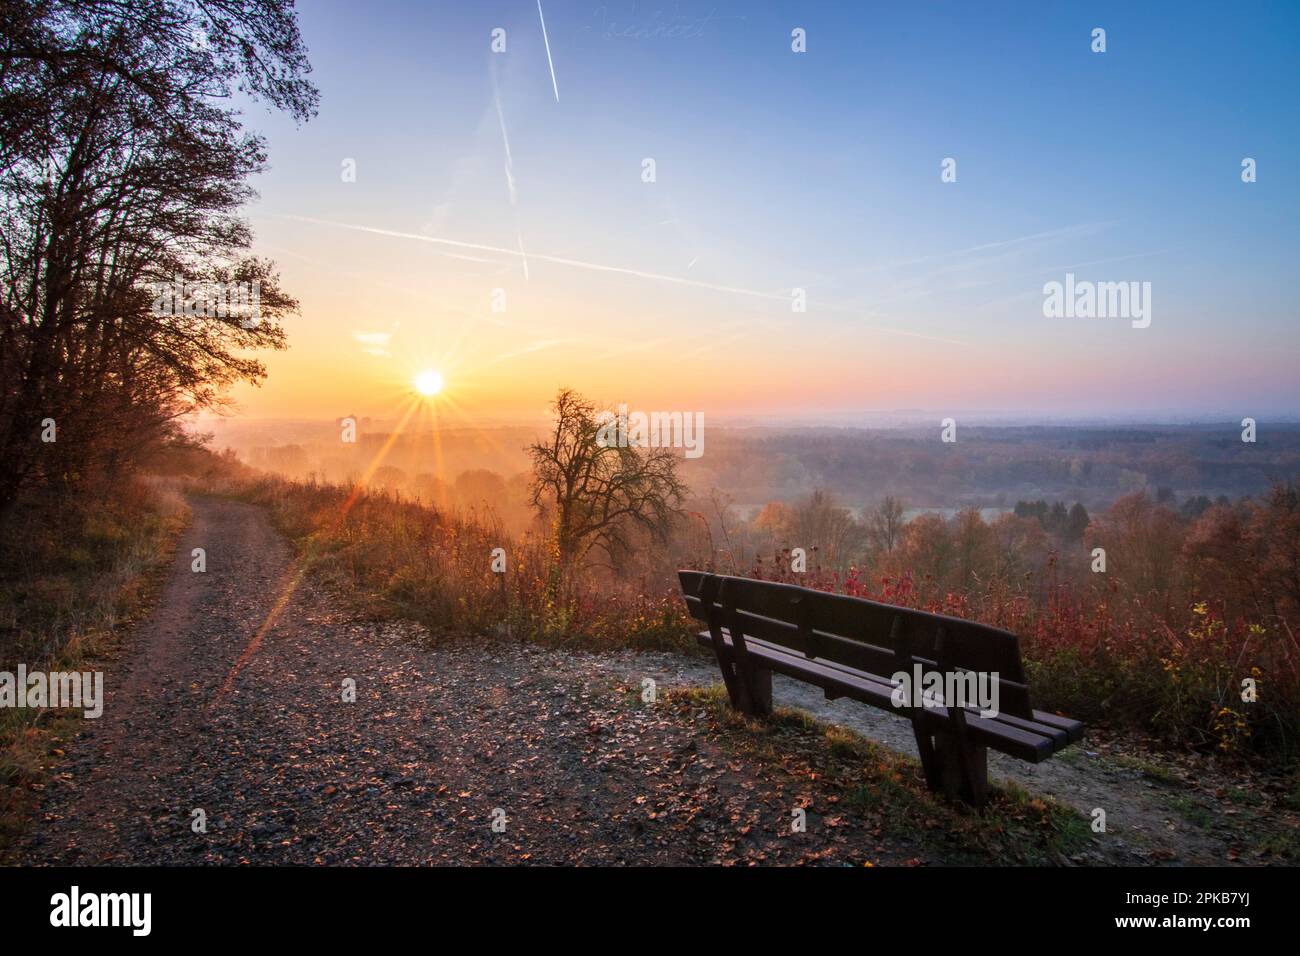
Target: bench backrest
864	635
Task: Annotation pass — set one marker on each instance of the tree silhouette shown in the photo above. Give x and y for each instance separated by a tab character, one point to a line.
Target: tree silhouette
124	171
593	493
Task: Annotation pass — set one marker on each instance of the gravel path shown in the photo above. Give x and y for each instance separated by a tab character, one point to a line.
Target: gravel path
229	700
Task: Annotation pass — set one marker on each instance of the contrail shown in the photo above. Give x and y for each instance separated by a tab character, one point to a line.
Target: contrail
619	270
523	255
558	260
510	183
554	85
526	350
510	162
1062	232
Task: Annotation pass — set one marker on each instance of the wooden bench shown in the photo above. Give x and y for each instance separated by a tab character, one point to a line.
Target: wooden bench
851	647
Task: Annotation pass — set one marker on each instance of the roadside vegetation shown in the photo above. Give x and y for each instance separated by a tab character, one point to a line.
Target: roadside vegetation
70	587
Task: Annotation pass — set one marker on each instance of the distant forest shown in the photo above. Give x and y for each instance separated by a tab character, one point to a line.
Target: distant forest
999	466
988	467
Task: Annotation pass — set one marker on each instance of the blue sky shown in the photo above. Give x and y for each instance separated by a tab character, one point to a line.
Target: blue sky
778	170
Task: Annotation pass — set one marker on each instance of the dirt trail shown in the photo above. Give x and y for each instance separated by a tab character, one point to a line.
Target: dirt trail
211	709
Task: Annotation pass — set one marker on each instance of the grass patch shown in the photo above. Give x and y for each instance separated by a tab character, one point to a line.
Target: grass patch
70	585
1244	798
1282	845
1016	827
1192	811
1149	768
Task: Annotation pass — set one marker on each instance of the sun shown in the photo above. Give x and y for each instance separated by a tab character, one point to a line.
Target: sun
428	382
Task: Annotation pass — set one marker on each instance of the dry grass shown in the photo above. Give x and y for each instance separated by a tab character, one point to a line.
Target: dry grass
70	584
398	558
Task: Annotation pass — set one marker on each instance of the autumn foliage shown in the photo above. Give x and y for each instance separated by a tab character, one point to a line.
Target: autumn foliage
1191	618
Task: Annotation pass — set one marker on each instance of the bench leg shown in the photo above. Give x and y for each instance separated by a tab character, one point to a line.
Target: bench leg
750	689
929	758
757	684
731	680
963	771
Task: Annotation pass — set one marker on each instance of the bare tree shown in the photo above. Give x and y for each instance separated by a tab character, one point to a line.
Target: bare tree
820	524
885	524
593	492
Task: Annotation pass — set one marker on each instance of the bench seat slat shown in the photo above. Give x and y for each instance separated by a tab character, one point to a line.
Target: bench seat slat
1024	744
1058	729
1059	735
1073	728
